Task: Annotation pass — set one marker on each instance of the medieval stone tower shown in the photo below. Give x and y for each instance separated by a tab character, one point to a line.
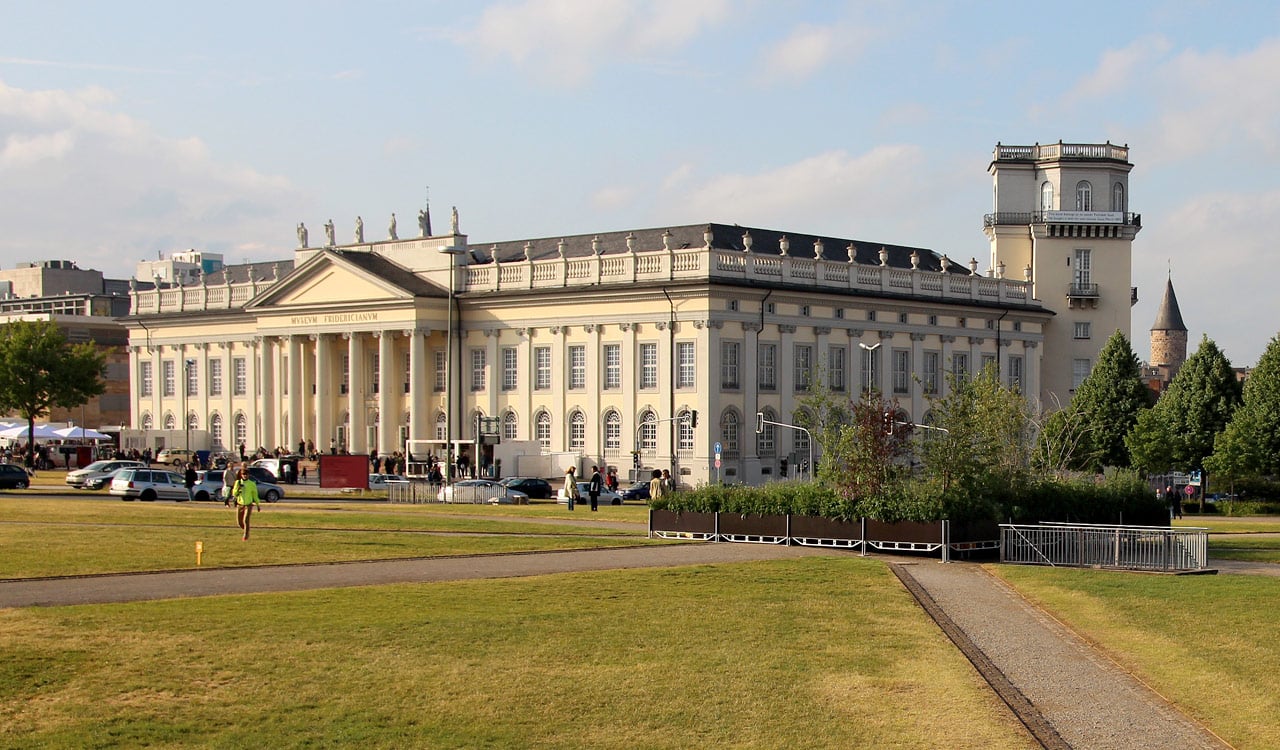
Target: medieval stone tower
1168	336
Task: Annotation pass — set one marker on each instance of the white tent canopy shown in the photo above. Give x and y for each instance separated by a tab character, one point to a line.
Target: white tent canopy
19	432
80	433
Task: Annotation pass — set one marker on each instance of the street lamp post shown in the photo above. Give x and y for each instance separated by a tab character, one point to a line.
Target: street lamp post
453	251
867	370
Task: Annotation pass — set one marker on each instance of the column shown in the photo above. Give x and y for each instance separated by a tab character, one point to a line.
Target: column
388	384
419	423
294	376
357	441
228	398
324	392
253	414
916	400
269	403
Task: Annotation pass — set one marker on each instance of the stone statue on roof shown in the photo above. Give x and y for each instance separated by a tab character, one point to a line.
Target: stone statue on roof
302	234
453	222
391	229
328	234
359	231
424	222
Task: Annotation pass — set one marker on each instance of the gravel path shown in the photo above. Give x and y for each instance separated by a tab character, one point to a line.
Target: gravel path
1067	694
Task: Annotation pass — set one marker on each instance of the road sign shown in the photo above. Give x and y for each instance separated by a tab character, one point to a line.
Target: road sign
717	463
1189	490
717	448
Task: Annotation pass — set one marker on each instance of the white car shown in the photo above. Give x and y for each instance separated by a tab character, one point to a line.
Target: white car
96	471
149	484
607	496
481	491
380	481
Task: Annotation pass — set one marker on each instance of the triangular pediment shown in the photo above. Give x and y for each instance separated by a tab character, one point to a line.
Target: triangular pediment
333	278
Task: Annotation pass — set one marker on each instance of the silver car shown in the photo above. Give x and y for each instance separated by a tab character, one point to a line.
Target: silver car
209	487
85	478
149	484
481	491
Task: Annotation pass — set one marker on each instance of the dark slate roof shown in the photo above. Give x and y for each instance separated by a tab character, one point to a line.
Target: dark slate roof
723	237
1169	317
392	272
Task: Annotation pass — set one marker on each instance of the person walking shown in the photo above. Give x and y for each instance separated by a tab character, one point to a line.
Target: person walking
611	479
594	488
657	488
571	493
189	477
229	477
245	492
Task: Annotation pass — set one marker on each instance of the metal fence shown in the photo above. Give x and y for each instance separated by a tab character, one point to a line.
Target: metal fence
1100	546
413	491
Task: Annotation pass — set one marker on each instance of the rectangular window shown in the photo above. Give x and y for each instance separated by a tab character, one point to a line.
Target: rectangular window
144	379
871	369
170	387
837	357
441	361
648	365
960	366
803	371
510	370
408	371
577	367
871	315
1083	329
901	370
239	376
989	360
1015	371
192	368
687	365
479	369
932	376
377	369
1082	275
215	377
767	366
729	365
684	436
1079	371
542	368
613	366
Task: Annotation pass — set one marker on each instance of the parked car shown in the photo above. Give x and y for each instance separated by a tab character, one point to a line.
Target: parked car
277	467
100	481
14	477
209	487
149	484
607	496
96	471
531	486
380	481
480	491
637	491
175	456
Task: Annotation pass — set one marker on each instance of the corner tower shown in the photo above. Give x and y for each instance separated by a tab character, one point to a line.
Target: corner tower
1061	218
1168	335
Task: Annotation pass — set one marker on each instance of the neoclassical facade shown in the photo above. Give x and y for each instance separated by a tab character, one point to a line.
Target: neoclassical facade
588	347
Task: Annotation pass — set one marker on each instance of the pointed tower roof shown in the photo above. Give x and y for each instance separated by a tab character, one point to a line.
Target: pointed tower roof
1169	317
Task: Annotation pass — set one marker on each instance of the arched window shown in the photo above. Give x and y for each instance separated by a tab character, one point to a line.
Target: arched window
800	438
1117	197
442	426
730	426
510	426
766	445
613	431
148	422
193	421
648	431
542	429
684	433
215	432
242	428
1046	196
170	421
1084	196
577	431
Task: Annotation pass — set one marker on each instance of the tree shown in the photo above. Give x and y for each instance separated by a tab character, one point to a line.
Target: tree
39	369
1250	445
1178	432
1105	407
863	458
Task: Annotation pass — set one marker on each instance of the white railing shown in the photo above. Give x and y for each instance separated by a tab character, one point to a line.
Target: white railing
1100	546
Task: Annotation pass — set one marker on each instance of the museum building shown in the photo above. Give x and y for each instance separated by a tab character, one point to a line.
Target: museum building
591	347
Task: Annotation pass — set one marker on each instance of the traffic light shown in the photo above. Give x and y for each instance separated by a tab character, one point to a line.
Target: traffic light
635	459
693	418
888	422
782	468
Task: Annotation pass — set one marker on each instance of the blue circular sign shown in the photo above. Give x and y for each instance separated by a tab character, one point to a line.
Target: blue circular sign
717	449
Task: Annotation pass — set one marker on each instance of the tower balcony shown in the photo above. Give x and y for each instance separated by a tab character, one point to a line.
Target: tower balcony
1081	295
1015	218
1060	150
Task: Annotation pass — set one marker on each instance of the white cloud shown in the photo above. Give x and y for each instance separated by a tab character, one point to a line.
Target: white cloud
613	198
1118	69
835	186
806	50
79	179
564	42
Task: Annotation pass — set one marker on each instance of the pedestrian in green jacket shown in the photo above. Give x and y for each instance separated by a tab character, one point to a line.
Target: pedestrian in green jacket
245	492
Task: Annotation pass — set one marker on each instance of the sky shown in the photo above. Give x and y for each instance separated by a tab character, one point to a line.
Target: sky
134	129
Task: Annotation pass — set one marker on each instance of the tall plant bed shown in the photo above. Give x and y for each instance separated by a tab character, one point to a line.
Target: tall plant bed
759	529
818	531
669	524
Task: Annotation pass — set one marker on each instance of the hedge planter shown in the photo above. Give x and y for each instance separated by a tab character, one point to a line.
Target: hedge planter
688	525
752	528
816	531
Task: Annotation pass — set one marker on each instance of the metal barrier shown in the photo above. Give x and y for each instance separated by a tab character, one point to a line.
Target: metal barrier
1102	546
413	491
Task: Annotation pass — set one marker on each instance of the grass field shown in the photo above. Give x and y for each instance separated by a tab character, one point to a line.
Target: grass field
44	536
825	652
1205	642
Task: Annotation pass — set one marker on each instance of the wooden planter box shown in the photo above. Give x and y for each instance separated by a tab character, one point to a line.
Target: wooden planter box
682	523
752	525
974	531
817	527
905	532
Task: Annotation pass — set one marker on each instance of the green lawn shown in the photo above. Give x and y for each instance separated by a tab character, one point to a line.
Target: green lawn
811	652
1208	643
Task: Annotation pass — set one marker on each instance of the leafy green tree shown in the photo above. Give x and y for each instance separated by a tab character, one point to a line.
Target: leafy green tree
864	456
39	369
824	413
1178	432
1105	407
1250	445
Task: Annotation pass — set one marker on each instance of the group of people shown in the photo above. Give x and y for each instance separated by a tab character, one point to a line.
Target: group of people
661	484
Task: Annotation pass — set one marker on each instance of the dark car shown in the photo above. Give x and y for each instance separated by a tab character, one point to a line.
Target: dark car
531	486
14	477
637	491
